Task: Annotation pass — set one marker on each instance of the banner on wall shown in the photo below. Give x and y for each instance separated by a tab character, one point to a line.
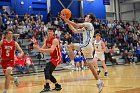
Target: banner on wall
106	2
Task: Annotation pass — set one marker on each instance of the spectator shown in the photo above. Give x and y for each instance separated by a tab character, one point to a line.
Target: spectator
29	63
20	64
77	60
65	56
108	55
125	57
82	60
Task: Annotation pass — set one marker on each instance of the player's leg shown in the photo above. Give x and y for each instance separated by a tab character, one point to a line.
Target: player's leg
70	49
49	77
100	83
102	58
96	64
53	79
8	78
105	68
91	67
87	51
7	69
47	71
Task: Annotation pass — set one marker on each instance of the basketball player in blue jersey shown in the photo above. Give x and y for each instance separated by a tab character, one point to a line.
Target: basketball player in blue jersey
87	30
99	47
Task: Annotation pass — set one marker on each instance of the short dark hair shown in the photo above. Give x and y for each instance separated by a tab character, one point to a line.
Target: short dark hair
7	30
51	28
92	16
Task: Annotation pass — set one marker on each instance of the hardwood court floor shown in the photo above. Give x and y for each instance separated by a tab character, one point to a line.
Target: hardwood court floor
121	79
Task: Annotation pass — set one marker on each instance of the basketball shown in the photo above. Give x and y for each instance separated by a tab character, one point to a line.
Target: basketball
66	12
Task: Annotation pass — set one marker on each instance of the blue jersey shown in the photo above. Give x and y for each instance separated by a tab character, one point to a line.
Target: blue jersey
82	58
67	58
77	58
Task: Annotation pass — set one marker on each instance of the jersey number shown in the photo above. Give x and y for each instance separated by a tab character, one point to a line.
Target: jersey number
7	53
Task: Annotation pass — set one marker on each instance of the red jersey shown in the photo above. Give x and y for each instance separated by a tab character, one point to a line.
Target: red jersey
28	60
56	56
7	54
7	50
20	61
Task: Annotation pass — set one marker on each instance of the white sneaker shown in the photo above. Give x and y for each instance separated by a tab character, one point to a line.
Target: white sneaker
77	69
4	92
100	86
16	81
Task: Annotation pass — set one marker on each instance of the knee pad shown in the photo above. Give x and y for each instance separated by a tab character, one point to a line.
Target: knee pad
47	73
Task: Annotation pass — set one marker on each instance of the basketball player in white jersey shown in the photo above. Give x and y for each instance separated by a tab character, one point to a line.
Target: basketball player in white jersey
100	48
87	30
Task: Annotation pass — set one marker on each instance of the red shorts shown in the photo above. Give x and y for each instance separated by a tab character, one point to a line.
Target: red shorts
6	64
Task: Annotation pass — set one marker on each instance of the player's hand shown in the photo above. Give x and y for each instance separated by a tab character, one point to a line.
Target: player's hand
34	40
36	46
63	16
19	55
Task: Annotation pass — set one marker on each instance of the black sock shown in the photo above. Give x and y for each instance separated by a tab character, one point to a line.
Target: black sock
56	84
47	84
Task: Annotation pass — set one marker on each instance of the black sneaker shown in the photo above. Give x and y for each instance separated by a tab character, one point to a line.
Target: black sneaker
106	74
98	72
46	88
57	87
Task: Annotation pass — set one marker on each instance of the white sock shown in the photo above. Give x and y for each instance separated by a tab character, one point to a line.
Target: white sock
72	62
98	69
15	78
98	81
5	90
106	71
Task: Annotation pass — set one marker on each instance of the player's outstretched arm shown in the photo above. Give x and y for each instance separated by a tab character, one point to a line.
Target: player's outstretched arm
49	50
19	49
75	25
75	30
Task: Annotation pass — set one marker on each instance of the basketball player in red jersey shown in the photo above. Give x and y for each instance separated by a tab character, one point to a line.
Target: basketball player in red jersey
8	47
51	46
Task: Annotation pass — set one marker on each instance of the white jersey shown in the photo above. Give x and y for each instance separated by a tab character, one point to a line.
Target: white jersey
98	45
86	45
88	33
99	54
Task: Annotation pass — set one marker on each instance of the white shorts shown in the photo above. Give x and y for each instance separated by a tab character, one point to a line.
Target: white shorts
99	56
87	50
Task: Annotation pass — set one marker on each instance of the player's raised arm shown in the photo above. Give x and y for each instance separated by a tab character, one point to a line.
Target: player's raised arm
75	30
75	25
